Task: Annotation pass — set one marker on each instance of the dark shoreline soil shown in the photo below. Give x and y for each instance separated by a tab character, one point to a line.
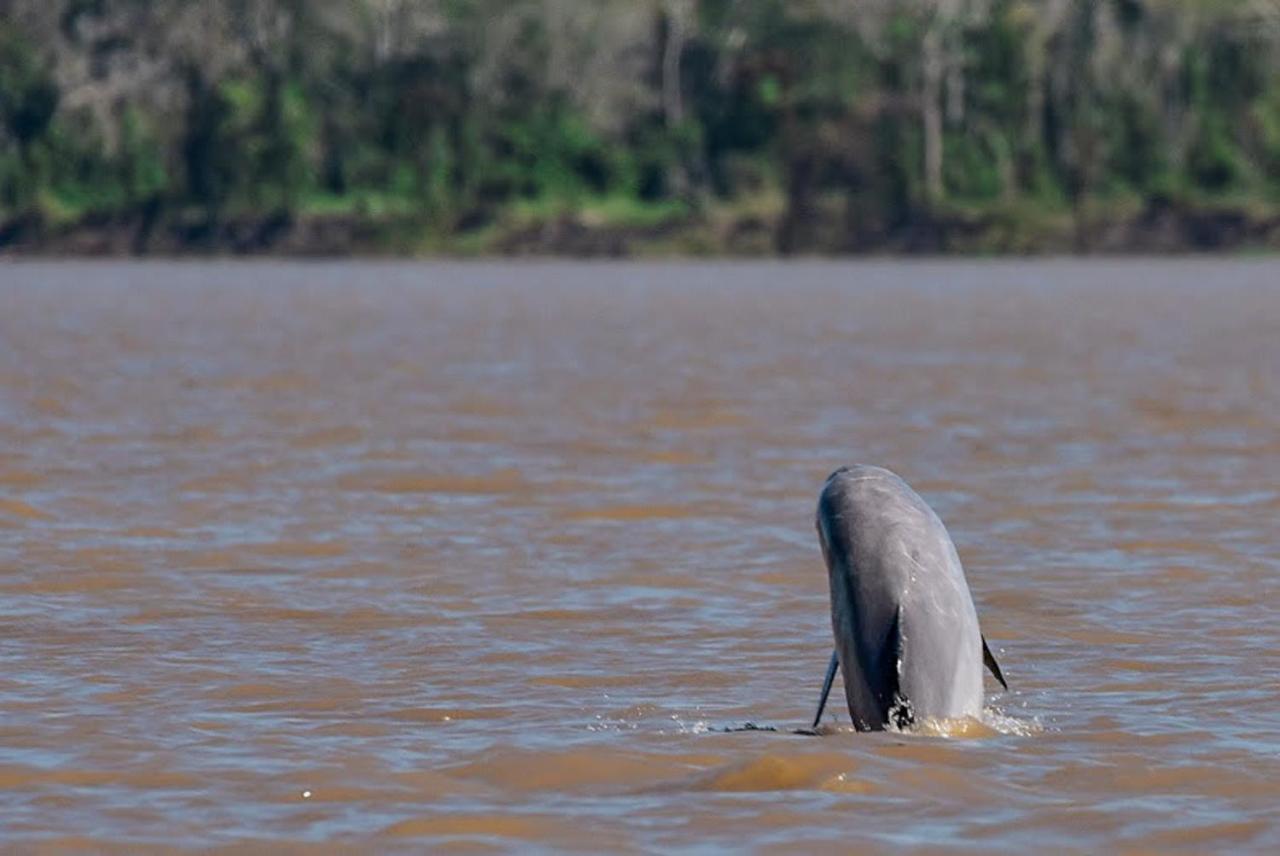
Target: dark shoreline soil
1159	228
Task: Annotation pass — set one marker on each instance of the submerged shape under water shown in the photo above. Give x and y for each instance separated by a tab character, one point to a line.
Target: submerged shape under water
489	554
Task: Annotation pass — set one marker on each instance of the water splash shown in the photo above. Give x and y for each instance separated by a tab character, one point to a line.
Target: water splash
1014	726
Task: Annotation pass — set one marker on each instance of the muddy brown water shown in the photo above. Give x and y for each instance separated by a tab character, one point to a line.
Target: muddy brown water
409	556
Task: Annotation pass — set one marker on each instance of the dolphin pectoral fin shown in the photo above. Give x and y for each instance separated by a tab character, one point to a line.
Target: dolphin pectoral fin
990	662
826	687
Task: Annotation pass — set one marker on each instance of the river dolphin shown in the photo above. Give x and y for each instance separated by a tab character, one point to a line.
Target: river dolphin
906	632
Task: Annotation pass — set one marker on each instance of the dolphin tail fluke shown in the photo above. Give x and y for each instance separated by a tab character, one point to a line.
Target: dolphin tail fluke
990	661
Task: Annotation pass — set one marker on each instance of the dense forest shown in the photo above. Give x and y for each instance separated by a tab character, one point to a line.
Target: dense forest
638	126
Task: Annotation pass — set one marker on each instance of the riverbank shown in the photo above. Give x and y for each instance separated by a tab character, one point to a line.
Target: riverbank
764	227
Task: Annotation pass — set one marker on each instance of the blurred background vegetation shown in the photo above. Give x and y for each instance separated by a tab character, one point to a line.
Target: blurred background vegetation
638	126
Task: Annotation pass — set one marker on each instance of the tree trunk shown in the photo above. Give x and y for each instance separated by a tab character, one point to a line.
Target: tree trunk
672	50
931	113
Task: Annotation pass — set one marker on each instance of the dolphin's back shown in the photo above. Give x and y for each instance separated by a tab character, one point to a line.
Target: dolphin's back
905	627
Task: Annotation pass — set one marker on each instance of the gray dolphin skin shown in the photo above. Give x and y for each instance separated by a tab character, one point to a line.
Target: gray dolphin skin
906	632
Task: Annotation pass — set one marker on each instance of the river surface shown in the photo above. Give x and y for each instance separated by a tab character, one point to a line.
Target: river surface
491	556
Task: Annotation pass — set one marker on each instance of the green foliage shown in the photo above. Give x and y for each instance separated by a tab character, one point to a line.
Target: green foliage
140	163
28	101
28	94
483	111
1266	117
